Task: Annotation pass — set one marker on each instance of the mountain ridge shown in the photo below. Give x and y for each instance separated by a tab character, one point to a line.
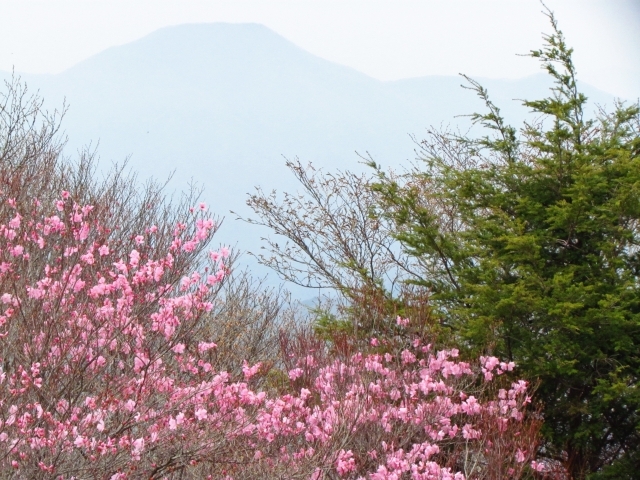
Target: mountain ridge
223	103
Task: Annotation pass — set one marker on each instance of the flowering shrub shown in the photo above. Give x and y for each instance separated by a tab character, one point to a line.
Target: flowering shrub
99	352
412	413
104	374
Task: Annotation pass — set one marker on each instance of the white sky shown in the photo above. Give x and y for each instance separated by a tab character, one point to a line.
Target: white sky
387	39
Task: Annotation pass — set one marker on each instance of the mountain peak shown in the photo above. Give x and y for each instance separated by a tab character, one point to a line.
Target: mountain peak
192	47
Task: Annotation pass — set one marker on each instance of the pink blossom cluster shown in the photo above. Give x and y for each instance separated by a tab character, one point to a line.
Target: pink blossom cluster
418	413
104	374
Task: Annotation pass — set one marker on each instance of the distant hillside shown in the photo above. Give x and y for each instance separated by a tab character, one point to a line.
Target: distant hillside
222	103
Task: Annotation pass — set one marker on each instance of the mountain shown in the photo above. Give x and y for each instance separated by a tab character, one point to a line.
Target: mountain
223	103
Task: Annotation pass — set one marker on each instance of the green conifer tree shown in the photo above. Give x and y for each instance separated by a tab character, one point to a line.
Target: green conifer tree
530	240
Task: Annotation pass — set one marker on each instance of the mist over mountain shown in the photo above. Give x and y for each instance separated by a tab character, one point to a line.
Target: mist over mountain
223	103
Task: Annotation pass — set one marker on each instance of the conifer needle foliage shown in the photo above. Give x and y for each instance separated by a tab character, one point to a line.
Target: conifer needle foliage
536	257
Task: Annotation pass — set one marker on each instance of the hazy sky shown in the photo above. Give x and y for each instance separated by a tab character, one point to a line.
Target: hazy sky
388	39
